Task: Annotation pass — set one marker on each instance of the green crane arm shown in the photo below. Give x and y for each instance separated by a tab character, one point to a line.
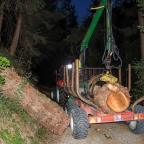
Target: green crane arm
95	20
111	48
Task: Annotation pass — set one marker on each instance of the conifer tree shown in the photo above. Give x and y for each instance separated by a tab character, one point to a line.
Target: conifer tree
25	20
141	25
69	26
27	8
1	16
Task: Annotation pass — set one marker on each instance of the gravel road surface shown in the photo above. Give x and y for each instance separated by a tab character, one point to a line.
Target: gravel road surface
108	133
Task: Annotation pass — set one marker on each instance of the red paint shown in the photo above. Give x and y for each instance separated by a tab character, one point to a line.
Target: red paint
60	82
110	117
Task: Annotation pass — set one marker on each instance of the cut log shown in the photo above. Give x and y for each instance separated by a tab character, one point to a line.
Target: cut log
118	102
112	97
42	109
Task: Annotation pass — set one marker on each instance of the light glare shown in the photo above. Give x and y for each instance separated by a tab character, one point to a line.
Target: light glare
69	66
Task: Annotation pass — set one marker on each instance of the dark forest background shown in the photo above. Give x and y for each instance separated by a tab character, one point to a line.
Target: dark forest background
43	35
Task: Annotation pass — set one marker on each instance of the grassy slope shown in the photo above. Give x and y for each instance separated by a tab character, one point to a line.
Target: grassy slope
16	125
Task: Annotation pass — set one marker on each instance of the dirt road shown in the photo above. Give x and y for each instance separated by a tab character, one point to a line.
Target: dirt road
110	133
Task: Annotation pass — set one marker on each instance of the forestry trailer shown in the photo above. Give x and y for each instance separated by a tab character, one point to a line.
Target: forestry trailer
94	95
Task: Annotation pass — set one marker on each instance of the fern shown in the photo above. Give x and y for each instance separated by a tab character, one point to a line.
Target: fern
5	63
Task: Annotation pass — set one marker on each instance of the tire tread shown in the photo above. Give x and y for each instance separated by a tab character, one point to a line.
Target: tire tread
80	123
140	123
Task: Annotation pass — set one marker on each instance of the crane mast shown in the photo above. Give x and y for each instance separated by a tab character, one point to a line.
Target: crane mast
110	45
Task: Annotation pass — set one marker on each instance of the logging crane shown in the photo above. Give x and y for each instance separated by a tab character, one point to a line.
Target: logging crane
94	95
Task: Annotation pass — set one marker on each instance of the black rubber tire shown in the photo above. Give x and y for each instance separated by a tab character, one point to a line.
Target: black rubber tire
139	127
63	100
79	123
69	106
61	97
53	90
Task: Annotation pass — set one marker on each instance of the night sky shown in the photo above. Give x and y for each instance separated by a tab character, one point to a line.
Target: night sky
81	7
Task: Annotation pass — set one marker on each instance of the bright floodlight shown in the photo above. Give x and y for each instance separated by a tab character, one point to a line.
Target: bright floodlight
69	66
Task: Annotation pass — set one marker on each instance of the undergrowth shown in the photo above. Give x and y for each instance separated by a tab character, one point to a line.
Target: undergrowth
19	68
14	62
16	125
3	63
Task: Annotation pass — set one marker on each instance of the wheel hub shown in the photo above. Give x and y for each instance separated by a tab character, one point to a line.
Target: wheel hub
71	123
52	95
57	95
66	110
133	125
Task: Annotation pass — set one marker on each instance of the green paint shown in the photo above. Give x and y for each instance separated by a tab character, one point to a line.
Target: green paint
84	84
108	26
71	99
91	29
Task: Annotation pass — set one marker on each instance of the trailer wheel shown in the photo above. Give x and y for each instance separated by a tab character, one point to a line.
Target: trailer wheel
57	95
79	123
69	106
53	93
61	96
137	127
63	100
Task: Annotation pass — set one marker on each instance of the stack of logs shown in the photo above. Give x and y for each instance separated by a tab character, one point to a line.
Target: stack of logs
111	97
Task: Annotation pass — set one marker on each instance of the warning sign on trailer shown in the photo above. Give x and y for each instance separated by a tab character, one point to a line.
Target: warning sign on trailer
117	117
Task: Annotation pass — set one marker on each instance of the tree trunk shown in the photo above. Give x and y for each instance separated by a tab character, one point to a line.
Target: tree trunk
141	23
16	35
42	109
1	17
29	64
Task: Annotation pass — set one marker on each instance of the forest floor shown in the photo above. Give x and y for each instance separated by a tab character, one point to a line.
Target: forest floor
108	133
18	127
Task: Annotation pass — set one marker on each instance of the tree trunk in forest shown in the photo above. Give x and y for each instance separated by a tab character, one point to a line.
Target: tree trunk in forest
16	35
141	23
1	17
29	64
42	109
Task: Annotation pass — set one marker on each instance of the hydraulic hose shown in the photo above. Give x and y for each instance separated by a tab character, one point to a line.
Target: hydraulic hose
114	49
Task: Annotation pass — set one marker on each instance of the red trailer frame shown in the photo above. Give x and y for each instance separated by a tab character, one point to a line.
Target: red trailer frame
95	117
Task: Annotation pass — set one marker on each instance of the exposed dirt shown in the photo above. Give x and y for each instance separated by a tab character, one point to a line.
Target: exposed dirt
108	133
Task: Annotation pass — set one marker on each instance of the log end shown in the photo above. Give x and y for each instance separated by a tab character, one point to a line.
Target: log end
118	102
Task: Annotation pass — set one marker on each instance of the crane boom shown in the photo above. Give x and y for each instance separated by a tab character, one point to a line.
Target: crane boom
110	47
96	17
